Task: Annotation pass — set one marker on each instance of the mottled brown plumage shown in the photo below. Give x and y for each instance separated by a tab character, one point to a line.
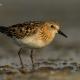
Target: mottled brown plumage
34	33
23	29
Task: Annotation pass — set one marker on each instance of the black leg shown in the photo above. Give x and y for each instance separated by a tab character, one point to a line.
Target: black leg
32	60
19	54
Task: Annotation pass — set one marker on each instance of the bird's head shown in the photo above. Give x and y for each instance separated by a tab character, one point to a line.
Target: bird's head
54	27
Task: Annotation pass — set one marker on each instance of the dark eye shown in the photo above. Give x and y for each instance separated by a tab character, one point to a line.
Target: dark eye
52	26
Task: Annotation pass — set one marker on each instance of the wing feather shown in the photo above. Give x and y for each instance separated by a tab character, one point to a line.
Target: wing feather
24	29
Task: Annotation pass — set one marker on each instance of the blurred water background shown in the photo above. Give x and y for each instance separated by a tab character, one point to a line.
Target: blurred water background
66	12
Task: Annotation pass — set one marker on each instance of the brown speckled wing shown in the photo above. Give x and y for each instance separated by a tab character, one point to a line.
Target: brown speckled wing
25	29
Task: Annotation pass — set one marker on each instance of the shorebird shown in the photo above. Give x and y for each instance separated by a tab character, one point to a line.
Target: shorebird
35	34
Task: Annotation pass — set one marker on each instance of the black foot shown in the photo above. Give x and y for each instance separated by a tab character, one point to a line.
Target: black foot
31	56
19	54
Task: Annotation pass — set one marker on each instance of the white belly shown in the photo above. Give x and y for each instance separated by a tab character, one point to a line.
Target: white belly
33	42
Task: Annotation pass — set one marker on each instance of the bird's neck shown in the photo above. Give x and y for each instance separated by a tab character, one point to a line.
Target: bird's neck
46	35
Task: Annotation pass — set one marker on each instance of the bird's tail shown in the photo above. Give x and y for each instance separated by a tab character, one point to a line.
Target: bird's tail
3	29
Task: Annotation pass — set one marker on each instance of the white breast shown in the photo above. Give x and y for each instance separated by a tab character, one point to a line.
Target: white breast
33	42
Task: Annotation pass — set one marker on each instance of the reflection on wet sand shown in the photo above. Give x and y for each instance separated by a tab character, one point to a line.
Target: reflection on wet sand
42	73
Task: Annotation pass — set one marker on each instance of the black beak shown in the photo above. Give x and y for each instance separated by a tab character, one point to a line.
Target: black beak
60	32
